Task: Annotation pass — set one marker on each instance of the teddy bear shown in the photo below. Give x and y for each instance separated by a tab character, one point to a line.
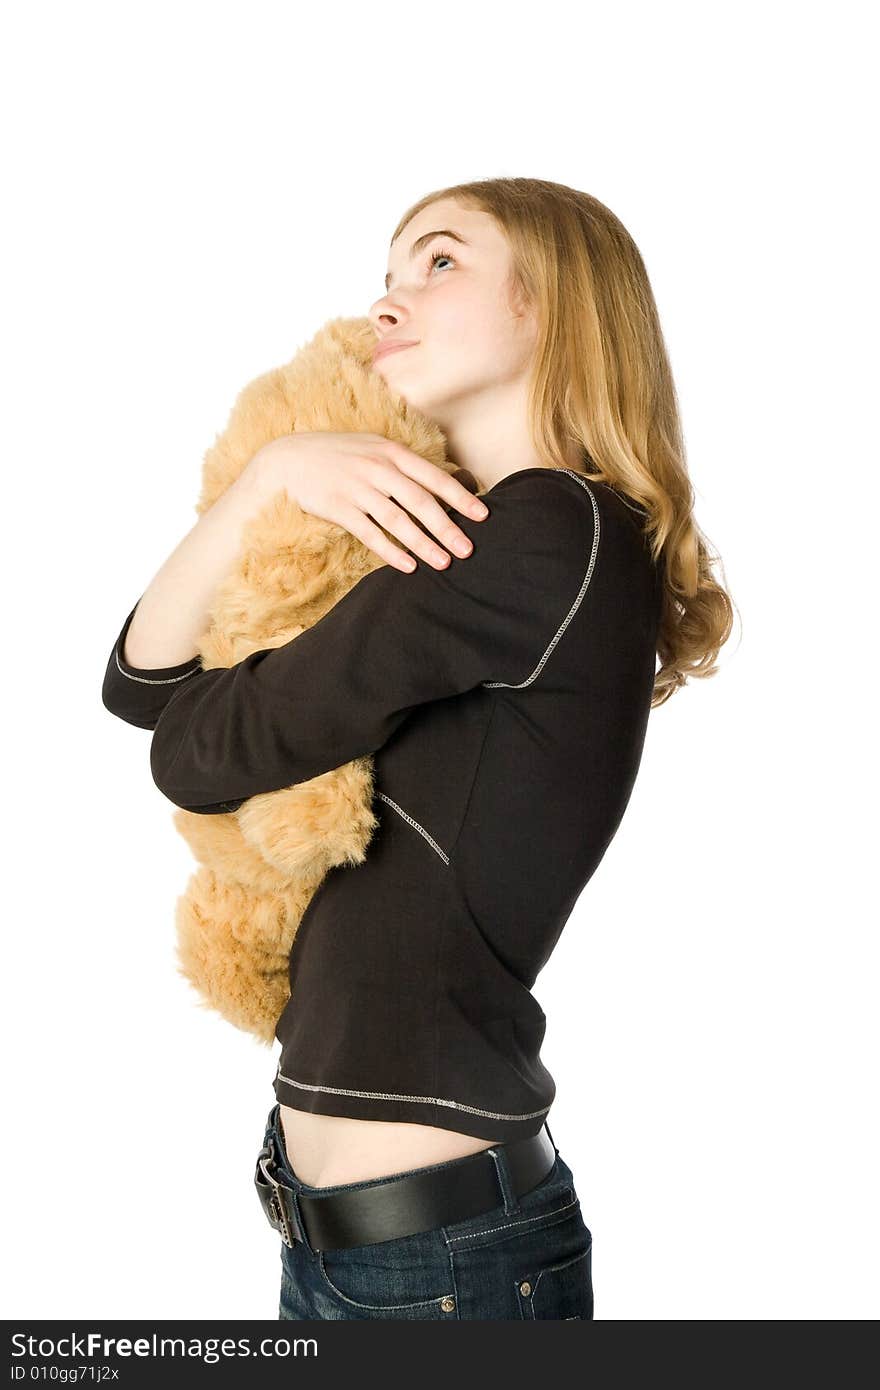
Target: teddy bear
259	866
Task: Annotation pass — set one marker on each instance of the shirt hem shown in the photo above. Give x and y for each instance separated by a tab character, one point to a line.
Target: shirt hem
481	1122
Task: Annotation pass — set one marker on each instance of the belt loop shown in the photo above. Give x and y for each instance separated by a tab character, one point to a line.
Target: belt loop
505	1178
304	1235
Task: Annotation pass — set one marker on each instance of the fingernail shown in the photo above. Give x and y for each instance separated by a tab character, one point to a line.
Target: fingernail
462	546
480	509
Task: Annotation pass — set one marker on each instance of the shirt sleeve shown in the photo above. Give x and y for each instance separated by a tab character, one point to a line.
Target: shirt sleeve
139	696
395	641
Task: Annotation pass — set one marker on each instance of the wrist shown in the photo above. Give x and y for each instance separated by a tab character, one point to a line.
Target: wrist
261	478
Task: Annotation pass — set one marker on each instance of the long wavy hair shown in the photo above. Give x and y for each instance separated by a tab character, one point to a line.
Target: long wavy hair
602	381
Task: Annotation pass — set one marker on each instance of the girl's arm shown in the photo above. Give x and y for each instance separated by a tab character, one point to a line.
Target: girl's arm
393	642
156	650
349	478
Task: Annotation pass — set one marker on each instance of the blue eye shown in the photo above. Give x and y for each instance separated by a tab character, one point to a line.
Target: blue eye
435	257
441	256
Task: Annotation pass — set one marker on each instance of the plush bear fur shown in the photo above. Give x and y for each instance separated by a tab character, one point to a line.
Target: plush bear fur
260	865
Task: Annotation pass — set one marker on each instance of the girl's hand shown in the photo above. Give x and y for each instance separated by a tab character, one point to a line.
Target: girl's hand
357	480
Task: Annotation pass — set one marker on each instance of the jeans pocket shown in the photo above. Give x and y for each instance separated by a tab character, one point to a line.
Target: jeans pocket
529	1266
560	1289
551	1201
409	1277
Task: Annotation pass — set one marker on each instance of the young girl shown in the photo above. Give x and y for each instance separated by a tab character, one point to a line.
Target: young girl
504	692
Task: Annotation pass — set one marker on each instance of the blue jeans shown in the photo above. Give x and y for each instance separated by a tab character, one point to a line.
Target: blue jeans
526	1258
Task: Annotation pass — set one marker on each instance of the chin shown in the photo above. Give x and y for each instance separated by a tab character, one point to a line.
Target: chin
413	398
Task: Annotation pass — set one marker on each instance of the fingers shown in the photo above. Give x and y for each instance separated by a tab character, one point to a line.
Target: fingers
397	520
378	489
451	487
374	538
420	515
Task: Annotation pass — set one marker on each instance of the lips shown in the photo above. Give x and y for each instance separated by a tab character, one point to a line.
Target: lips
387	347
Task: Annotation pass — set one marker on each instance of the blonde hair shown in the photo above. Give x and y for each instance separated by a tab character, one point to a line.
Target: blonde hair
602	381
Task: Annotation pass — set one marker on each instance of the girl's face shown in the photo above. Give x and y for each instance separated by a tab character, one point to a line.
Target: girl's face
450	295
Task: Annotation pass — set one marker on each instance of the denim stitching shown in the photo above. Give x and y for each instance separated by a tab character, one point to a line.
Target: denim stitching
507	1225
563	1264
494	1157
390	1307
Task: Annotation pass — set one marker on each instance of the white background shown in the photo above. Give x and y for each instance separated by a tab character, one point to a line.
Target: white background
191	191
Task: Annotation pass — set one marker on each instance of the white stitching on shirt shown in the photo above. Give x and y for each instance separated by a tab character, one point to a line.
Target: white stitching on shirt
508	685
420	1100
420	828
151	680
437	1100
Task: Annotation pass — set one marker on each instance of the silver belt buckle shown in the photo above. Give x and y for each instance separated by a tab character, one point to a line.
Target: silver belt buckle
281	1217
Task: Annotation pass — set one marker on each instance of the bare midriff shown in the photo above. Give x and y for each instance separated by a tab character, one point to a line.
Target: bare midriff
324	1150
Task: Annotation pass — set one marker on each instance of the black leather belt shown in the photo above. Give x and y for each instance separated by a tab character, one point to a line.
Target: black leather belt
400	1206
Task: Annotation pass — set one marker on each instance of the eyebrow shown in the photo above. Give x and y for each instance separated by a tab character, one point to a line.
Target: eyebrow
422	241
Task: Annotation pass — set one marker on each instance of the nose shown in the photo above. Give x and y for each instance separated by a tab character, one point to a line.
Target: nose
388	312
385	314
390	320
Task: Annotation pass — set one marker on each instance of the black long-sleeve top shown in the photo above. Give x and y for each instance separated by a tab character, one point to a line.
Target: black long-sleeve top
505	700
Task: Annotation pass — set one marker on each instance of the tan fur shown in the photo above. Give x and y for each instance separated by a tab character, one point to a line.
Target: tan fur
260	866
